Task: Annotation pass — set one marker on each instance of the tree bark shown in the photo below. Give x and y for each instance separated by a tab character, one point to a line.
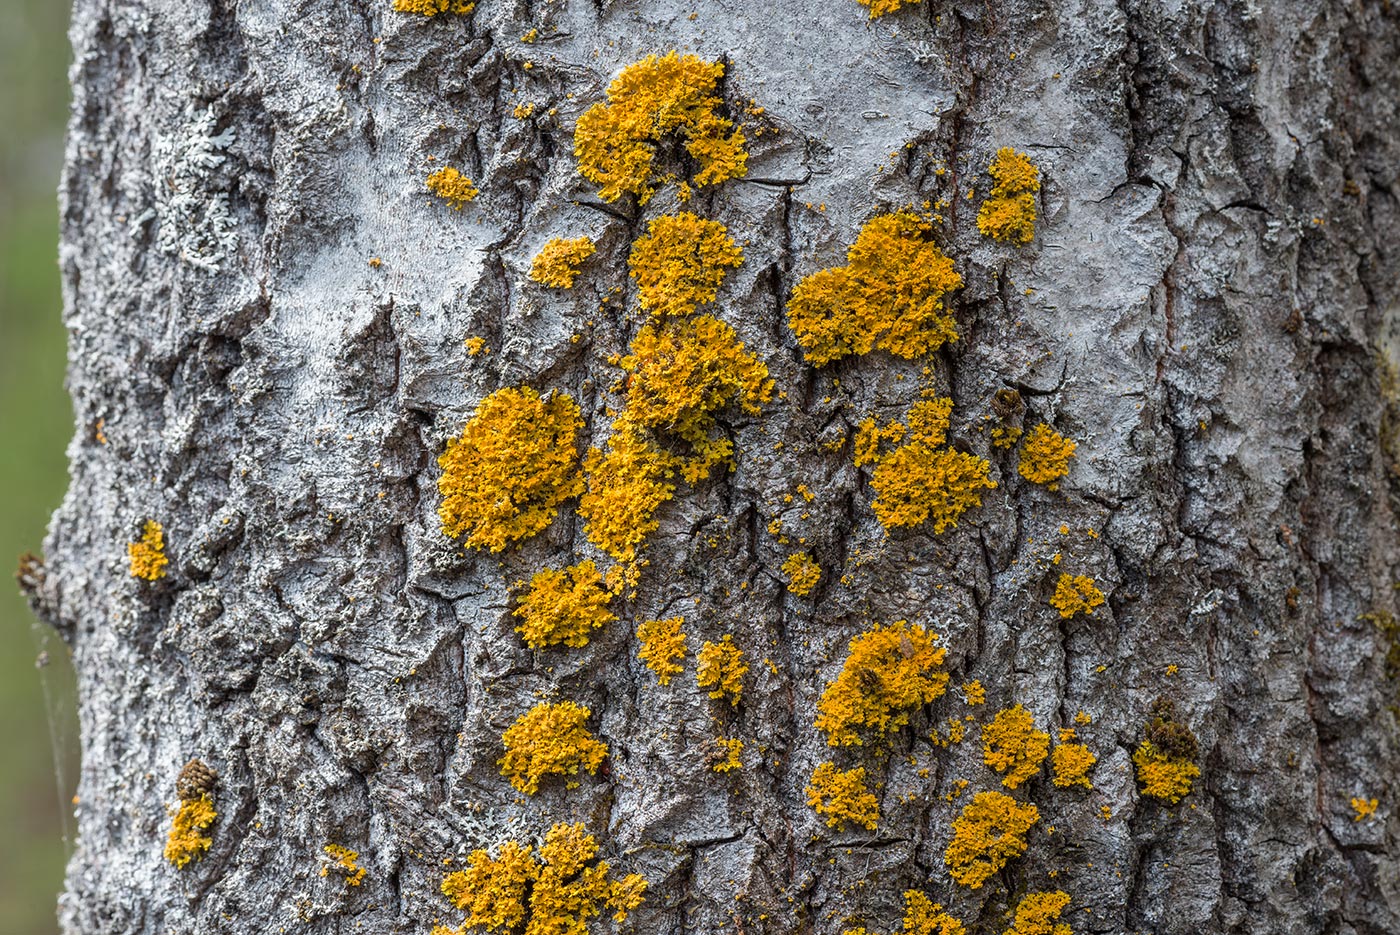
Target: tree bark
1209	308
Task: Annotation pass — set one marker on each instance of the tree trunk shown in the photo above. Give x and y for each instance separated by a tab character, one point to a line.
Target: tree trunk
269	316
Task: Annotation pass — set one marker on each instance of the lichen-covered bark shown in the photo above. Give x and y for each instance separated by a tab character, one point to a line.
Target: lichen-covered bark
1207	308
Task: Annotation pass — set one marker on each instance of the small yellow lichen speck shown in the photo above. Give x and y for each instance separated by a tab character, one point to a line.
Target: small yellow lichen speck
922	916
1363	807
147	555
680	263
730	750
346	862
558	263
1039	914
616	142
720	667
1045	455
888	296
504	477
803	573
888	672
1012	745
1075	594
1008	213
564	607
552	891
549	739
452	187
476	346
434	7
840	796
988	834
662	644
974	693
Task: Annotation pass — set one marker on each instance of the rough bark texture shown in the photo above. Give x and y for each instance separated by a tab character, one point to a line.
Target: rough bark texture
1206	308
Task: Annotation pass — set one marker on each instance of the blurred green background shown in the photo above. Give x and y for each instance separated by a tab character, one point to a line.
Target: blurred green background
38	731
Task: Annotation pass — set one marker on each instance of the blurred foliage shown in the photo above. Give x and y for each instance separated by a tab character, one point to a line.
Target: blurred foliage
37	726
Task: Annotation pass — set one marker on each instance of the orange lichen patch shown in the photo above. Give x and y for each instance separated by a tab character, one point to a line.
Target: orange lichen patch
1071	761
888	296
922	916
564	607
1004	436
803	573
720	667
1075	594
840	796
682	372
1162	776
870	438
662	644
452	187
915	483
558	263
554	892
989	833
974	693
1045	455
626	486
616	143
1008	213
189	826
879	8
549	740
889	671
1012	745
681	262
928	420
147	555
346	862
434	7
515	462
730	749
1364	808
476	346
1039	914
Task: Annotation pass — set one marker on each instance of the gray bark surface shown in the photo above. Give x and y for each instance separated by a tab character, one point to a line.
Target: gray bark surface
1209	308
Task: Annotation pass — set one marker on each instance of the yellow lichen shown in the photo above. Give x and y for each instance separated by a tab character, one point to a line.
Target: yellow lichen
626	486
558	262
434	7
1162	776
720	667
662	644
1071	761
616	143
554	892
730	749
840	796
681	262
1008	213
514	463
888	296
564	607
1045	455
803	573
549	740
1075	594
870	437
879	8
922	916
888	672
475	346
1363	807
189	826
1012	745
452	187
988	834
346	862
682	373
1039	914
974	693
915	483
147	555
